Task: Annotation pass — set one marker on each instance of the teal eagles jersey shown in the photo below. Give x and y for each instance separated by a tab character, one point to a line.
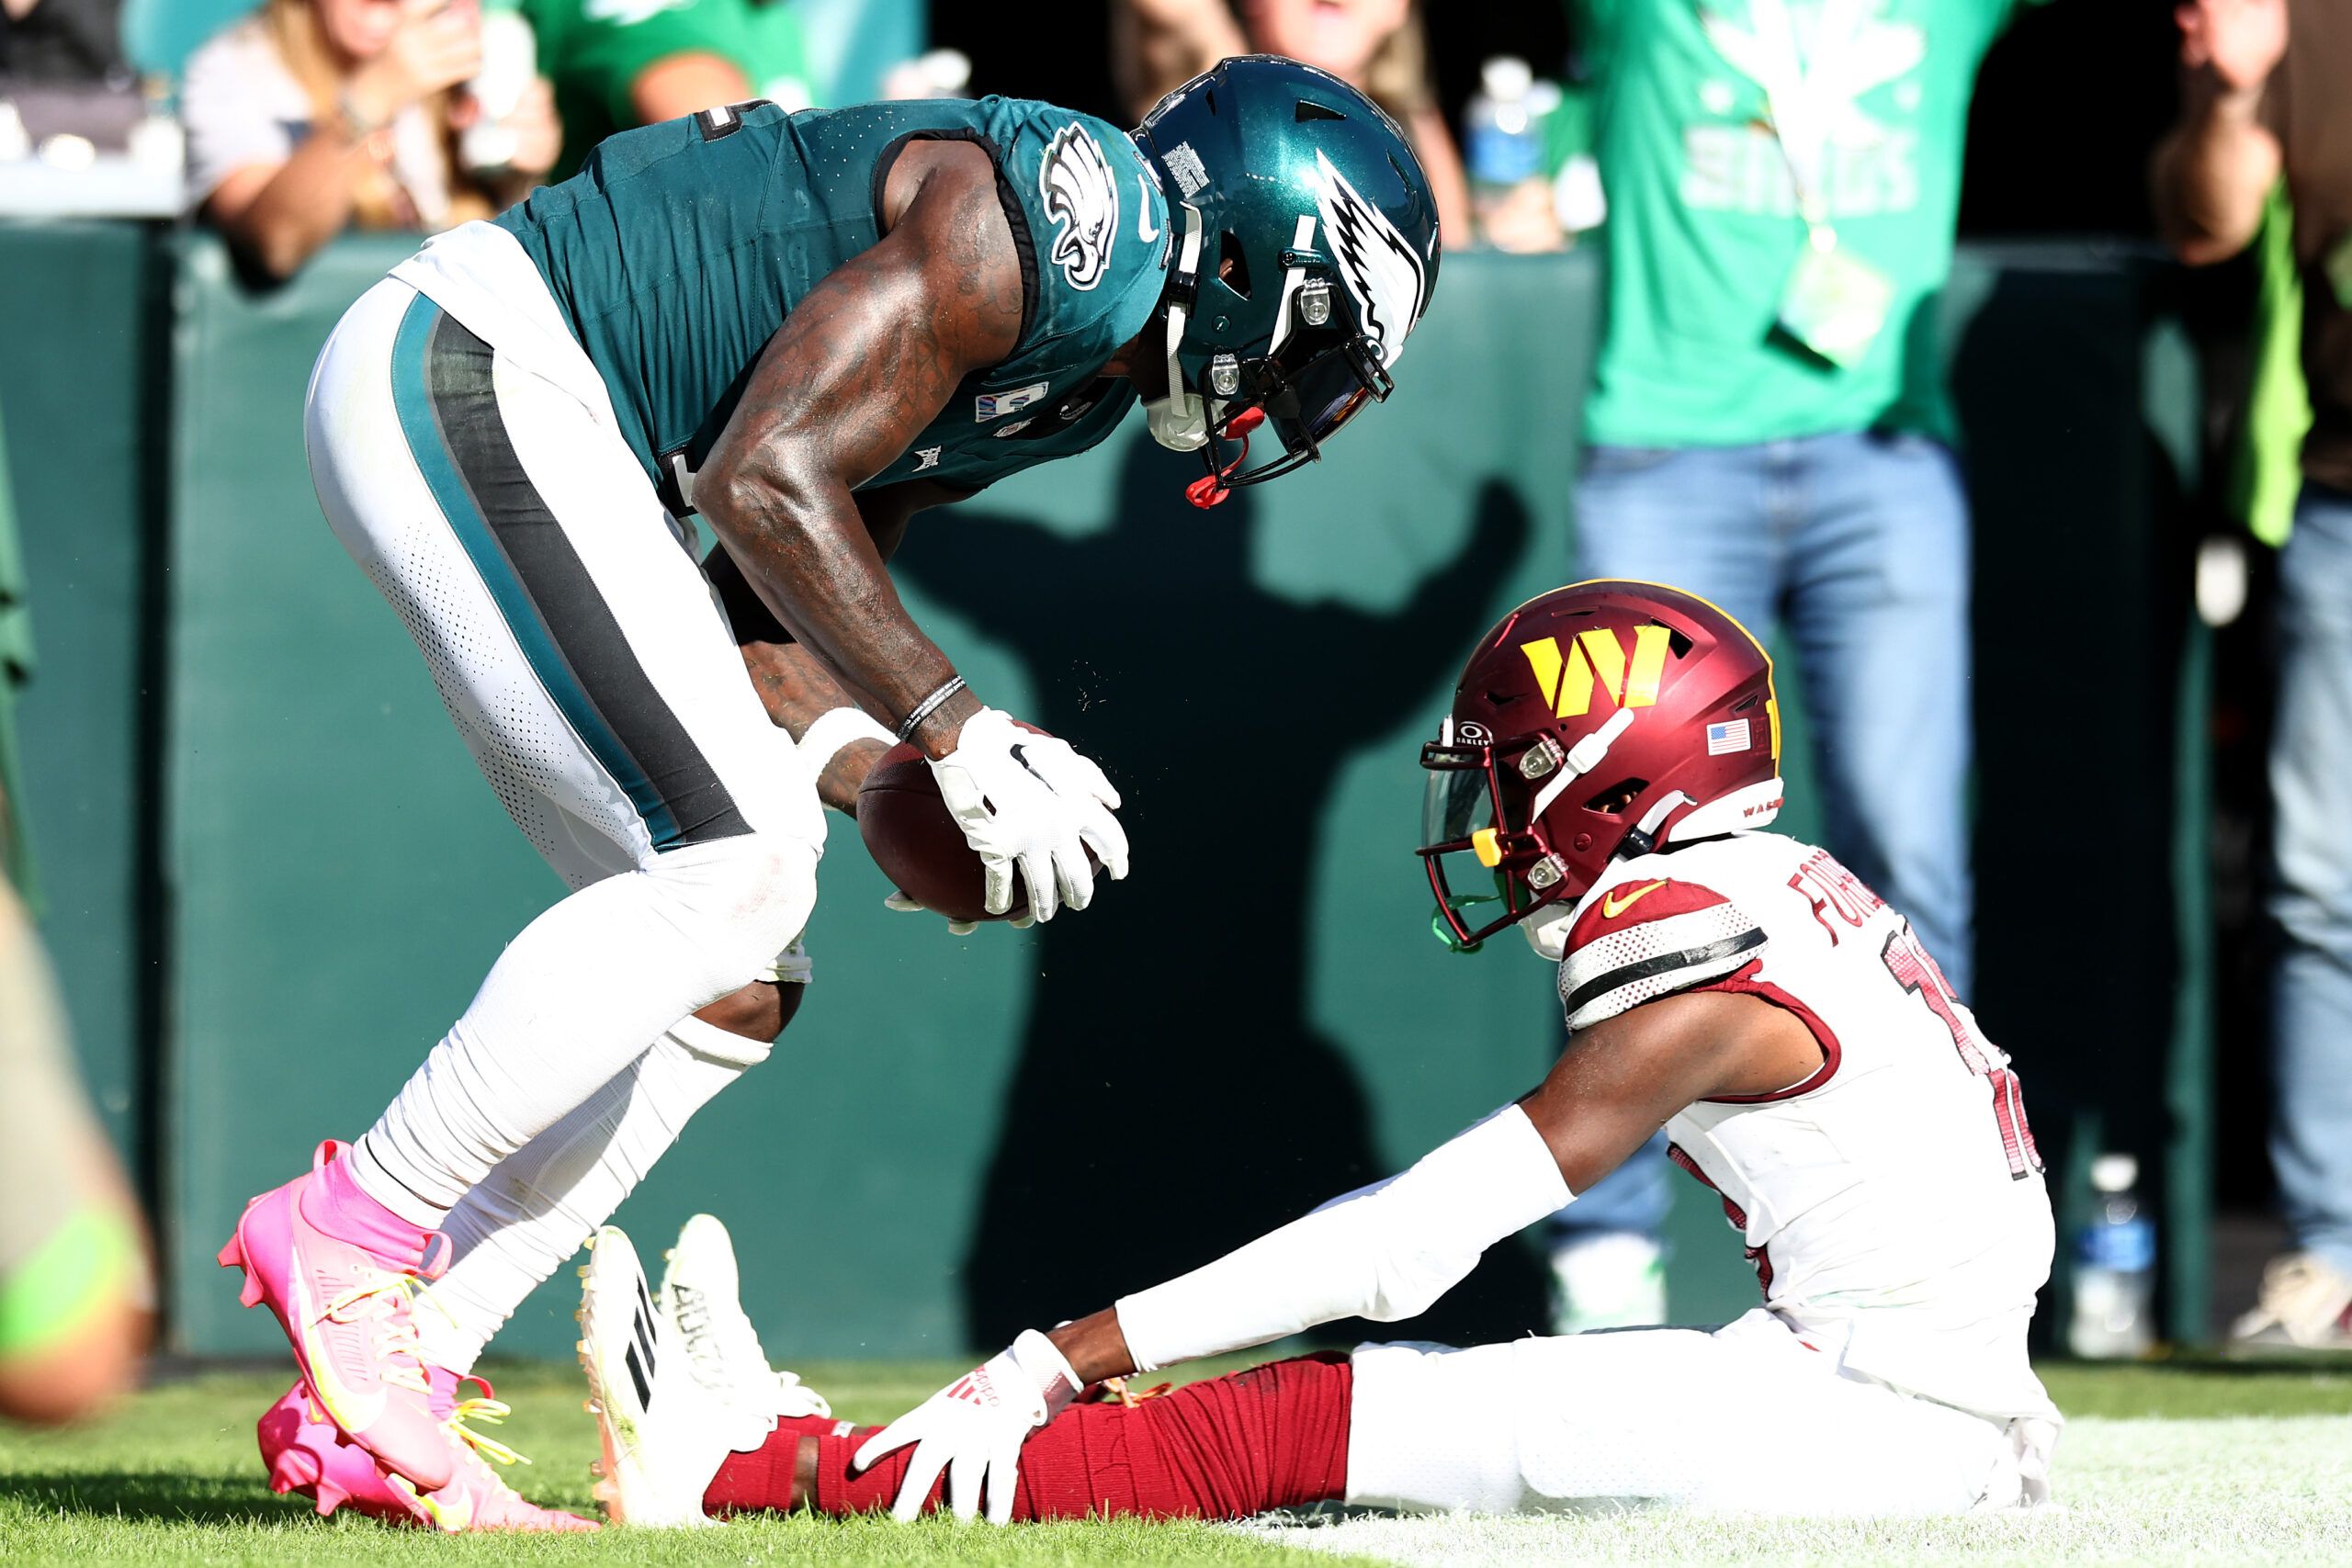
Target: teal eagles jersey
679	249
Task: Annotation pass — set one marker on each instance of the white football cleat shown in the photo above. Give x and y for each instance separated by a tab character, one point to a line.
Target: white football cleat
664	1438
702	1310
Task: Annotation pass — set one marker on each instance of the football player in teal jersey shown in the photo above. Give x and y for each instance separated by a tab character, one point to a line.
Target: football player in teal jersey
805	328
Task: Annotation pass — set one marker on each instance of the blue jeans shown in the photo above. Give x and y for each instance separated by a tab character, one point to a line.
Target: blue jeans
1858	545
2311	880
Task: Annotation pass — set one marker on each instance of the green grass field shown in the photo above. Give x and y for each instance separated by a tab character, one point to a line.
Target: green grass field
2200	1461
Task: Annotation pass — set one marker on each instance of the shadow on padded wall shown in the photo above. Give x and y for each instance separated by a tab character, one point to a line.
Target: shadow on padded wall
1172	1088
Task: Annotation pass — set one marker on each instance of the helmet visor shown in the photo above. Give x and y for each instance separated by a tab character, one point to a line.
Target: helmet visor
1329	388
1307	389
1455	802
1467	837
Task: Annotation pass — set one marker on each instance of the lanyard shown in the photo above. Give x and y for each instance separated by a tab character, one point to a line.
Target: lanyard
1767	53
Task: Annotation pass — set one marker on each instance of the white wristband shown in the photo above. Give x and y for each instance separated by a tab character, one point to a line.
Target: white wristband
834	729
1383	1253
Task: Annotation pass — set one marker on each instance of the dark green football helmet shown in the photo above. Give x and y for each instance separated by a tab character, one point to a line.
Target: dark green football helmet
1305	249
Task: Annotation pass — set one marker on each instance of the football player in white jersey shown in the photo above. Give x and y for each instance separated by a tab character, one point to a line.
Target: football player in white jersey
1608	769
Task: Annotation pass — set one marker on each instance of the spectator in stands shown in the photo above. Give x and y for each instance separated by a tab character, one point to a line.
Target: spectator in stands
2260	99
311	116
1376	46
1767	426
618	66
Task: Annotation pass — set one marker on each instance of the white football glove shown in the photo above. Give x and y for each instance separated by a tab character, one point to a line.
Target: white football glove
1028	801
904	904
974	1428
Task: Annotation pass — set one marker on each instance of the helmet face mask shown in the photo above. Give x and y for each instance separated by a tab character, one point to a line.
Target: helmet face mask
1291	290
1478	802
1563	753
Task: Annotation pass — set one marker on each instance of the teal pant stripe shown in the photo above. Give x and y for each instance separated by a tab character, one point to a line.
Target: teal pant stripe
412	401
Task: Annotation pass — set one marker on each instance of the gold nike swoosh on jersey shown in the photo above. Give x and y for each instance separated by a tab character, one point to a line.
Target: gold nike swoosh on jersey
1612	905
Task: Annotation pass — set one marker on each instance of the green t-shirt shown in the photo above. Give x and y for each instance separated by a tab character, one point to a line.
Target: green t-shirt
1703	223
593	50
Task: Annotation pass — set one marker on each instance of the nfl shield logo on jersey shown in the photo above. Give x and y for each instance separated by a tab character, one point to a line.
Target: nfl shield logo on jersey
996	405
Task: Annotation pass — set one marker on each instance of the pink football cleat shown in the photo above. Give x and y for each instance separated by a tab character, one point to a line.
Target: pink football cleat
335	1268
309	1457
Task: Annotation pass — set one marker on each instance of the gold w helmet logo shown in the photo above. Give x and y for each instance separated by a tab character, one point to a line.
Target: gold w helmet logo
1595	660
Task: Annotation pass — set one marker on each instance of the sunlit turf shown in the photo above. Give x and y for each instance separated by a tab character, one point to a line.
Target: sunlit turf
2148	1471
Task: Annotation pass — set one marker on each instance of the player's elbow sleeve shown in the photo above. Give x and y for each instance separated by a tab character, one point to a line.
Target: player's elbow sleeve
1408	1283
1385	1254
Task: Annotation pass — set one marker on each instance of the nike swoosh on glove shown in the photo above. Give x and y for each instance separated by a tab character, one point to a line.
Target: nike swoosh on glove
1030	806
974	1428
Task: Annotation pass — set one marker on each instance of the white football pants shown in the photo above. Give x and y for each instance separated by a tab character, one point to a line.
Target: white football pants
578	649
1747	1419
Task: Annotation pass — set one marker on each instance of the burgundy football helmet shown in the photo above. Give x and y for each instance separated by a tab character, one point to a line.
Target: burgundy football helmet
1601	720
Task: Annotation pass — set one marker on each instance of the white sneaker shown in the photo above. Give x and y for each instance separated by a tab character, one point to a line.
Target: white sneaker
664	1438
2305	1305
1613	1279
701	1307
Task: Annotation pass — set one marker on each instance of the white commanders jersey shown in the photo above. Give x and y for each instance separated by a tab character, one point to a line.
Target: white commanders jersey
1892	1200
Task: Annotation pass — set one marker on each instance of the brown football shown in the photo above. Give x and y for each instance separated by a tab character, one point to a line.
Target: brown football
907	831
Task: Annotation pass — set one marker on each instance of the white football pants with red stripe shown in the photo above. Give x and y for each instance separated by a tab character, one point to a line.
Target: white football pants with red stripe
1748	1419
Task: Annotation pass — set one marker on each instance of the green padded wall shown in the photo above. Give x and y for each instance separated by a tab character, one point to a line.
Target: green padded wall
80	355
959	1137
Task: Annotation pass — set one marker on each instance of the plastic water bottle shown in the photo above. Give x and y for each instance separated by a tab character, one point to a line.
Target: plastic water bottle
1502	140
2115	1268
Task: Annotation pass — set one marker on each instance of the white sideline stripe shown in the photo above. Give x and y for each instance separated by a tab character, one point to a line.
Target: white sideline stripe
2194	1492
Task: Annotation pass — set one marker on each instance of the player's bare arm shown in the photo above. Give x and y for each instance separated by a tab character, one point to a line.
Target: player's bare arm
869	358
1619	1081
795	686
2212	173
867	362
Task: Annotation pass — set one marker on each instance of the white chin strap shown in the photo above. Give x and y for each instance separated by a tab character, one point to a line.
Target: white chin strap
1582	758
1546	931
1179	422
